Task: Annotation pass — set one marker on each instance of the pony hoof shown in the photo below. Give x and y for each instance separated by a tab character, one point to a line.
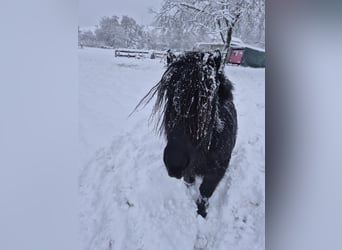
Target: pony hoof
201	212
189	181
188	185
202	206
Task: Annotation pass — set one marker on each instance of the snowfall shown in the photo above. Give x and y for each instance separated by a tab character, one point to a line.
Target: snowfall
127	199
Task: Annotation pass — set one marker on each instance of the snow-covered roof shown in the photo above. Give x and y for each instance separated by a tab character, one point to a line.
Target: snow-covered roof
255	48
235	41
209	43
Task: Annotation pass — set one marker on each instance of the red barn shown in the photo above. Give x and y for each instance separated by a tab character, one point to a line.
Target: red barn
236	56
240	53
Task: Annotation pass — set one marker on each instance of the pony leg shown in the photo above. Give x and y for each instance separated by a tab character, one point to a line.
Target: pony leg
176	159
189	175
207	188
189	180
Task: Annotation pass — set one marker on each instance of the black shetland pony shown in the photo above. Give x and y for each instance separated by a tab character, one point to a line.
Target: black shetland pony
195	111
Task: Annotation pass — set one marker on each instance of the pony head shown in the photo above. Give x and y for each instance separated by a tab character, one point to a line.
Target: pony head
187	94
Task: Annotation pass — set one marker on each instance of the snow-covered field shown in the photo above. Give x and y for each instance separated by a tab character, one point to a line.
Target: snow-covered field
127	200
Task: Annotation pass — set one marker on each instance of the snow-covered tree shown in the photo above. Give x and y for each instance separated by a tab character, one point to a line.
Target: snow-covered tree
175	32
251	27
124	32
133	32
110	32
216	16
86	38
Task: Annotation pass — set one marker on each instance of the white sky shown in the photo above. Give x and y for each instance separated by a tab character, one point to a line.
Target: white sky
91	11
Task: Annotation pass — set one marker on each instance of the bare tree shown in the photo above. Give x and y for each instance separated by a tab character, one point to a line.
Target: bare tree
216	16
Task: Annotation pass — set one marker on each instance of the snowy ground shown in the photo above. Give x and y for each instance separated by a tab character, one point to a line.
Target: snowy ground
127	200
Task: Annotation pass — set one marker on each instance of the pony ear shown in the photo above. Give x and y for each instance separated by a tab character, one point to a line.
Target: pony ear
217	59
